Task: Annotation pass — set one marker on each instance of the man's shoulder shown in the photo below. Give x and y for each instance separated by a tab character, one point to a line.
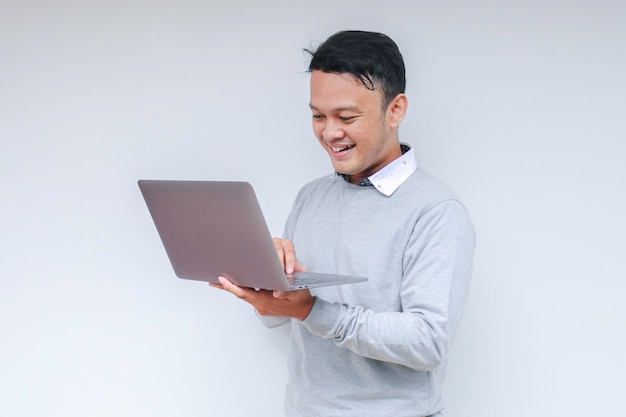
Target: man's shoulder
321	183
425	187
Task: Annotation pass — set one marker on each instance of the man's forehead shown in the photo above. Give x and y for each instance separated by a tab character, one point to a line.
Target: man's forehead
341	92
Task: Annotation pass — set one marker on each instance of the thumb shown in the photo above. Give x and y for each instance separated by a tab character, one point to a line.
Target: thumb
280	294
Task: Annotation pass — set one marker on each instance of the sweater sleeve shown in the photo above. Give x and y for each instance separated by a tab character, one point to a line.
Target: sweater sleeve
272	321
437	263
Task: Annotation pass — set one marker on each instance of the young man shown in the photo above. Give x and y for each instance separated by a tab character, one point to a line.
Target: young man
377	348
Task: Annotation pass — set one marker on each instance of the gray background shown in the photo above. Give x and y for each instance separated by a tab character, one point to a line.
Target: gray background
519	106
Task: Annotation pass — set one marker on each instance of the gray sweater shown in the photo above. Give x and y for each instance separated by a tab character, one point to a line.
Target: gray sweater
377	348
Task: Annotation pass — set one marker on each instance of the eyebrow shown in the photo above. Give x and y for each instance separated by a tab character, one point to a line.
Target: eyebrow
338	109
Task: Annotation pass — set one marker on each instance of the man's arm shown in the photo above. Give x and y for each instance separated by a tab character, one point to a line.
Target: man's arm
437	268
437	274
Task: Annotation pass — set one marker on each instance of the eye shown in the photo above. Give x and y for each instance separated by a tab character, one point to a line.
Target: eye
318	116
347	118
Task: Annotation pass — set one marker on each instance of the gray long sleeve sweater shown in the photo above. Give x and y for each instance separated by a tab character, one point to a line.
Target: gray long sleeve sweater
377	348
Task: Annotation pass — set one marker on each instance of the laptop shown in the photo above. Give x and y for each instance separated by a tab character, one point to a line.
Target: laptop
217	228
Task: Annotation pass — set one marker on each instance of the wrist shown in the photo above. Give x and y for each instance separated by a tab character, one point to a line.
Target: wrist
307	307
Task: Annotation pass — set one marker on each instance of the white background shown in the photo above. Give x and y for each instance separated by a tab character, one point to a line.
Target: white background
518	105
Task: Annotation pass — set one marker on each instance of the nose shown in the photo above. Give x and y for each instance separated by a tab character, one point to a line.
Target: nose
332	131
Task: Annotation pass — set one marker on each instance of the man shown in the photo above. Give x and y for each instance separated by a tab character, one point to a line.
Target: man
377	348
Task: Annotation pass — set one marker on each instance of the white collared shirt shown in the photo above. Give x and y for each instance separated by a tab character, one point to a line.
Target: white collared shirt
390	177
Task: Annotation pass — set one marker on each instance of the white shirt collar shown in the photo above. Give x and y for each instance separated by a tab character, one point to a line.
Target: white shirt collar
393	175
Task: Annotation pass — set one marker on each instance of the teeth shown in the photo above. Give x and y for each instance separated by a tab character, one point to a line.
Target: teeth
341	149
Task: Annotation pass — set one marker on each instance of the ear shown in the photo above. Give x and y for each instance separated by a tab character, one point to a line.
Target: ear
397	110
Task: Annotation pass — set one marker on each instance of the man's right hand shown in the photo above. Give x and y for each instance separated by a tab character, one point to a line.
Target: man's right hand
287	254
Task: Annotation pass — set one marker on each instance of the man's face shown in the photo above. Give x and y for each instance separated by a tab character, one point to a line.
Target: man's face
349	122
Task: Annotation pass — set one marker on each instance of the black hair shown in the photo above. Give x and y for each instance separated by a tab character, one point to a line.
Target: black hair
371	57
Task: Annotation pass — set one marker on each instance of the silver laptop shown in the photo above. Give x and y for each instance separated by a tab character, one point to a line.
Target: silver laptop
216	228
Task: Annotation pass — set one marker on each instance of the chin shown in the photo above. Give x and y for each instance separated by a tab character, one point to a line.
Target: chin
342	169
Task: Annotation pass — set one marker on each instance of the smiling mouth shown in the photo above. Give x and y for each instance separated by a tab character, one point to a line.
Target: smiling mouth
342	148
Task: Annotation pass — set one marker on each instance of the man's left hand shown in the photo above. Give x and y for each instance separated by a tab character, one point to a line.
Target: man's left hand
296	304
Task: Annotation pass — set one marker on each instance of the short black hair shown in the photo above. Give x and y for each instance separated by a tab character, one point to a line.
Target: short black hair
371	57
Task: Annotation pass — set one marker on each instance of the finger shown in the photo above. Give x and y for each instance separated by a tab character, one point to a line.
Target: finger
280	294
290	257
230	287
299	267
278	245
287	253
